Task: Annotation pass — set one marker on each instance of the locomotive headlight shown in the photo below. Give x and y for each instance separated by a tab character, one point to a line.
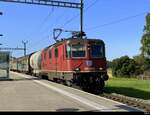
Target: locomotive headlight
101	68
77	69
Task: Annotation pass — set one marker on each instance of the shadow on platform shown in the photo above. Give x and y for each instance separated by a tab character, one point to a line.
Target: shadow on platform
67	110
5	79
26	79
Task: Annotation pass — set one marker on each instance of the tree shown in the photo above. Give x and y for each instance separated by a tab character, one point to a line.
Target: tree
146	38
124	67
142	64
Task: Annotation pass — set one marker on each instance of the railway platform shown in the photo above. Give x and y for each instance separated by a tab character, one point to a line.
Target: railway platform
26	93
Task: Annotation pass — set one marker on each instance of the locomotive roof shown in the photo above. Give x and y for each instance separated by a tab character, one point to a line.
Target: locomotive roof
72	39
79	39
61	42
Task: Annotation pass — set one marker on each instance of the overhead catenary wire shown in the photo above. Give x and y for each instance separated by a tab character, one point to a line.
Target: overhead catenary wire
52	24
74	17
56	19
117	21
48	16
59	18
42	23
92	4
34	46
105	24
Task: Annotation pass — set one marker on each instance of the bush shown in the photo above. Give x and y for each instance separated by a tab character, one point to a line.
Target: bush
123	66
127	67
142	64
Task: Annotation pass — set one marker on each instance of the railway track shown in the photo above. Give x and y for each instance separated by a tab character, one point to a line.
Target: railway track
137	103
133	102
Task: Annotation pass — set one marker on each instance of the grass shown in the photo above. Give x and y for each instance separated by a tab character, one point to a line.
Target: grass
110	73
129	87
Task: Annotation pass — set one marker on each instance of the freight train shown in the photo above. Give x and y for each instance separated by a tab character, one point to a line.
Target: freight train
70	61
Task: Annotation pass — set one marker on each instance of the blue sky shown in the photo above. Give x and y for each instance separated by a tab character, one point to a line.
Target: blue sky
35	23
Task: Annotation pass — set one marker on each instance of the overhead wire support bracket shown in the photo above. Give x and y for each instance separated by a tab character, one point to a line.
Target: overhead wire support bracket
11	48
48	2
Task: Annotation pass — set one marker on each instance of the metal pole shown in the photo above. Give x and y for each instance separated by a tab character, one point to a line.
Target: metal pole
8	64
1	13
81	18
25	43
1	36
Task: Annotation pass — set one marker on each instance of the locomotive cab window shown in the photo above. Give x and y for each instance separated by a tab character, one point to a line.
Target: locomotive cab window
97	51
78	50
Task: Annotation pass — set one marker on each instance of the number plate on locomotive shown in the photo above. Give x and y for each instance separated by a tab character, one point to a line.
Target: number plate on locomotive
89	63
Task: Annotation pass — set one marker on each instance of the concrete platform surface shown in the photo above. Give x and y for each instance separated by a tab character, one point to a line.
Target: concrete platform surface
27	93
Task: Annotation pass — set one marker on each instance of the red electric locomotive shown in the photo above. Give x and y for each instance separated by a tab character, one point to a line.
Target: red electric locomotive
76	61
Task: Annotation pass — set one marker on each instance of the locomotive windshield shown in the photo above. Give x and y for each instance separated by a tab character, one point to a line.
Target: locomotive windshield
78	50
97	51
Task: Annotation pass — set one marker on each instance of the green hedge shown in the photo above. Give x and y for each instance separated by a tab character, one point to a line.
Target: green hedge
127	67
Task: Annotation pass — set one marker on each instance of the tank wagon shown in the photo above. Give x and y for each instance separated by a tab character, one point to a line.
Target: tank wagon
71	61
